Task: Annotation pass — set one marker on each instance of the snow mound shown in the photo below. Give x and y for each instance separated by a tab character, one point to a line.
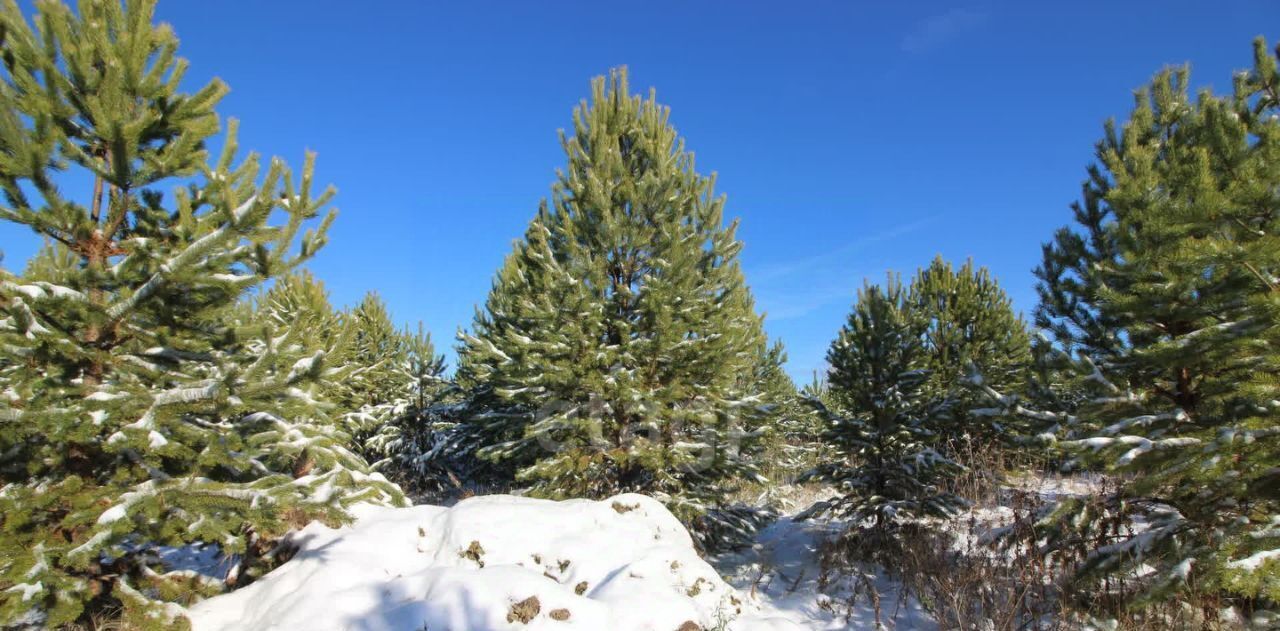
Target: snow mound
492	562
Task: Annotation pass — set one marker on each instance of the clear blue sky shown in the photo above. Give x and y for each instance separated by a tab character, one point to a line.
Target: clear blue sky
850	137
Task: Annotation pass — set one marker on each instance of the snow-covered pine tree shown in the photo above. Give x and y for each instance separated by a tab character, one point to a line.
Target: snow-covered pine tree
818	387
803	426
789	433
1040	412
299	299
1167	293
971	326
299	302
611	351
381	353
777	394
425	367
794	437
139	409
379	386
881	425
410	419
384	378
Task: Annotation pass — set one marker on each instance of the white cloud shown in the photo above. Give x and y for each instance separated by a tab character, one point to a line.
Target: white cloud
940	29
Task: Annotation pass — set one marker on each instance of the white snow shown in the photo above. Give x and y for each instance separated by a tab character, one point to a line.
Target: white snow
784	571
303	366
113	514
100	395
28	590
622	563
467	566
1254	561
156	440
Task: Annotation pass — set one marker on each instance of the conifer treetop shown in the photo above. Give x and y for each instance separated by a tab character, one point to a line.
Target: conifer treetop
622	310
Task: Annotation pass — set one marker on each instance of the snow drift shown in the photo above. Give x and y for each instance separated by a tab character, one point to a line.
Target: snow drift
493	562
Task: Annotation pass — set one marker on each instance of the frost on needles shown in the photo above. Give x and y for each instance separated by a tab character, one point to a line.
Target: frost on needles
140	407
617	349
1163	316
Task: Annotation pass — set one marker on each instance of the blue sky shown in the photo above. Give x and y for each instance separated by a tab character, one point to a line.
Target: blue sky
851	138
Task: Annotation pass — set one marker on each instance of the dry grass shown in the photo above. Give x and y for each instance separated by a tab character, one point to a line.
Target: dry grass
970	579
965	584
102	621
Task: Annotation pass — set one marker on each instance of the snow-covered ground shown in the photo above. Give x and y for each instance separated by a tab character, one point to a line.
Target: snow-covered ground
506	562
495	562
782	573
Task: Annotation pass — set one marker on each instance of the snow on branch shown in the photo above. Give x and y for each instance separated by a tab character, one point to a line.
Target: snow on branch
195	250
1142	445
41	290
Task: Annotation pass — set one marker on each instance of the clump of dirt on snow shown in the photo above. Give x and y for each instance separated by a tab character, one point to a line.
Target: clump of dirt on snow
525	610
474	552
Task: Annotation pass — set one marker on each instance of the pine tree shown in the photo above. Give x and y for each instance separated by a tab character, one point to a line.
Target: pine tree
817	388
879	419
971	328
793	439
377	388
381	352
411	424
299	300
610	353
140	406
1167	294
425	368
777	394
1039	412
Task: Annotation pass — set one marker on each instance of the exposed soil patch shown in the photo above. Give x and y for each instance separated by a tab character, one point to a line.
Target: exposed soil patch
525	610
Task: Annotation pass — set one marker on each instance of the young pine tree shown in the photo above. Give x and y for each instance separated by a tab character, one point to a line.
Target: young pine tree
411	425
777	394
611	351
971	328
139	407
378	387
300	300
1167	293
381	353
879	421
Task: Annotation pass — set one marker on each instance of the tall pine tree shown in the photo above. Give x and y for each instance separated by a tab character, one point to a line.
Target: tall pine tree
611	351
378	387
1166	291
141	408
300	300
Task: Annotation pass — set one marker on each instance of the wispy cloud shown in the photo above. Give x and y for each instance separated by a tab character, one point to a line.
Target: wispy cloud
787	268
795	288
938	30
790	305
